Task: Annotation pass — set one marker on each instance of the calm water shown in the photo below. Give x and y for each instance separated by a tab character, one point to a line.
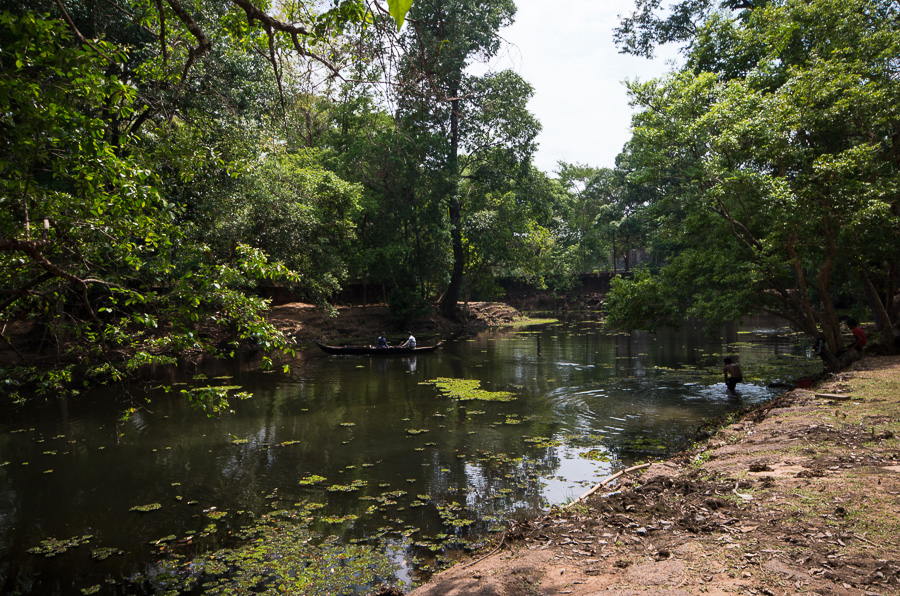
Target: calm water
439	466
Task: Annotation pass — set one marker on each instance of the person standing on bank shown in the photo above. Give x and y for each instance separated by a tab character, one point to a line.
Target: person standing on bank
733	374
859	336
410	342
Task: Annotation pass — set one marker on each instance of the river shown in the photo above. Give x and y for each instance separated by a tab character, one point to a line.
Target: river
372	441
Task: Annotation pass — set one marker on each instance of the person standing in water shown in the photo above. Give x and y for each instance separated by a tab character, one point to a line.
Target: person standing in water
733	374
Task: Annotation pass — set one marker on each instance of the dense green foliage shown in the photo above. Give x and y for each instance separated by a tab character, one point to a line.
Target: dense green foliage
166	164
163	165
147	191
771	166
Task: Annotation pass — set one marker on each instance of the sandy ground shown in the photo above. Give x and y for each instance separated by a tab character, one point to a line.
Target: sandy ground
798	497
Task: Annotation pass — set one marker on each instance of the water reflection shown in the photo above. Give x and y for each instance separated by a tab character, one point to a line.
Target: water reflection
417	468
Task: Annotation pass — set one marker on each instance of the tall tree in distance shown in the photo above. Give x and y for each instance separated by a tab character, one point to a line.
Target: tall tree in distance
463	116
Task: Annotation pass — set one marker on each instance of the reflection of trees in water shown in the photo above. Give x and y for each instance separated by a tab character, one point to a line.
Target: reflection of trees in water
347	419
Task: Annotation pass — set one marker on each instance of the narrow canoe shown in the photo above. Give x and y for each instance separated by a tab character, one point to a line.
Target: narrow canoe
391	351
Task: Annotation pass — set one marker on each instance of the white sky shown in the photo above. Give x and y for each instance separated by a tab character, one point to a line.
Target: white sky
565	50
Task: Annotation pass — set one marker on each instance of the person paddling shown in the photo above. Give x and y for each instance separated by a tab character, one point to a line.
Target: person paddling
410	342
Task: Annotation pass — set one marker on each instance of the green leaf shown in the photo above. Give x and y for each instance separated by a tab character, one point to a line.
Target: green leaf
398	10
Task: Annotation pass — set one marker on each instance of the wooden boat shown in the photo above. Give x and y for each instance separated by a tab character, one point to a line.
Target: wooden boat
372	350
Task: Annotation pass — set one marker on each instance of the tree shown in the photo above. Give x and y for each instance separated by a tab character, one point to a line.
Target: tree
505	231
646	28
108	172
462	116
72	204
780	184
301	215
88	246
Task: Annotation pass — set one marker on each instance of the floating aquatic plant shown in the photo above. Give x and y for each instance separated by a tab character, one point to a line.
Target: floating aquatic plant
54	546
467	390
339	520
99	554
596	455
280	556
543	442
347	488
416	431
146	508
308	507
312	479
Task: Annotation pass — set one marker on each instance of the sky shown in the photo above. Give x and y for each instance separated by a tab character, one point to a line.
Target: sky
566	52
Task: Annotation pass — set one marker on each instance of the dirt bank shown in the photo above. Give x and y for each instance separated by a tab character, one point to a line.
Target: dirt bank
798	497
306	322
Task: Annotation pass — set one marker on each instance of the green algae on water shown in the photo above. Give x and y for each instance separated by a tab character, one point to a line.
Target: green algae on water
146	508
280	555
467	390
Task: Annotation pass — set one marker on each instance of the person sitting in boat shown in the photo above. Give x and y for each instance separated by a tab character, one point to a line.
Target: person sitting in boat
410	342
733	374
382	341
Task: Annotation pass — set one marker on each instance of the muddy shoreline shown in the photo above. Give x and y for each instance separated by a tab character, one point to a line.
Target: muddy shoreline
306	323
798	496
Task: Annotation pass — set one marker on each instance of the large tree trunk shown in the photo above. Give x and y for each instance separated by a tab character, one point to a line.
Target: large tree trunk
449	303
885	325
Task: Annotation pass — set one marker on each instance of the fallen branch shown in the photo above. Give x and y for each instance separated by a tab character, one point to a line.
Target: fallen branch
606	481
496	548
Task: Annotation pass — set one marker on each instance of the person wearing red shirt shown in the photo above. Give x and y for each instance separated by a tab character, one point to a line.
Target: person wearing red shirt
858	335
